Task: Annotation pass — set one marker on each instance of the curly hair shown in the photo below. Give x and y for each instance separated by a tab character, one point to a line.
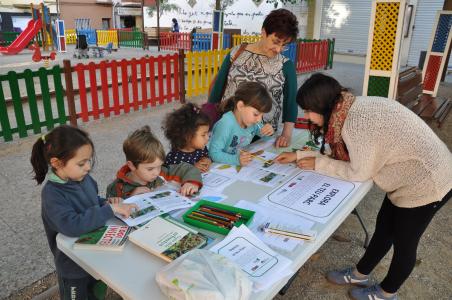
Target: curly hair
180	126
281	22
141	146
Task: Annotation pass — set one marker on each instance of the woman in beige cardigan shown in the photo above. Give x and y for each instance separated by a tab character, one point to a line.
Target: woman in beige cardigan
379	139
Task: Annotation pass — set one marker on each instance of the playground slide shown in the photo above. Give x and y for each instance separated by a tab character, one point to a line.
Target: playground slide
23	39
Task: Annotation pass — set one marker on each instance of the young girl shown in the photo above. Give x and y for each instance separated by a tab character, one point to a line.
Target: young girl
241	121
187	129
380	139
70	202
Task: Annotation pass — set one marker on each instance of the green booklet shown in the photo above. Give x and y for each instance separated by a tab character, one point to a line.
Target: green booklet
110	237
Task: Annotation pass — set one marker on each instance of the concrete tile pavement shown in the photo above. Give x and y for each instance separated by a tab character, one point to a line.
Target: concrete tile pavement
25	257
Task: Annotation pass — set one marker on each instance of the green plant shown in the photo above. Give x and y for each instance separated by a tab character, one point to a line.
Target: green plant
164	6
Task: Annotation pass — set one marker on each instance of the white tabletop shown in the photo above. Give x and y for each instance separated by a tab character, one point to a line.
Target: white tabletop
131	272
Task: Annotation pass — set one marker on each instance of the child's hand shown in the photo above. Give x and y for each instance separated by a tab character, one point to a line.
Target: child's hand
124	209
114	200
203	164
188	189
307	163
140	190
267	130
286	157
245	158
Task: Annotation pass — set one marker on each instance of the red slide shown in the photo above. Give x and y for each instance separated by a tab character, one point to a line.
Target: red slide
23	39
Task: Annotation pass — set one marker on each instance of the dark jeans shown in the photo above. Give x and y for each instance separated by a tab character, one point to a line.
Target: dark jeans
401	228
86	288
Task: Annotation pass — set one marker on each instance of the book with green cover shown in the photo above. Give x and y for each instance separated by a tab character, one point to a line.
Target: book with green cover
109	237
167	239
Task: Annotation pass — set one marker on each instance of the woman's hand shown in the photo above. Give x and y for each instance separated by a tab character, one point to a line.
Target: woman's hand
245	158
123	209
203	164
267	130
188	189
286	157
282	141
307	163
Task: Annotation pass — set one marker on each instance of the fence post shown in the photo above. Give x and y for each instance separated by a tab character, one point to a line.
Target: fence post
70	92
181	75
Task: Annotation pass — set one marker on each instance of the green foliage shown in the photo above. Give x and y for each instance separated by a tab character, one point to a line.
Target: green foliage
164	7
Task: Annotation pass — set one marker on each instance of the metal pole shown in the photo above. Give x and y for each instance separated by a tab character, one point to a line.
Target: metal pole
158	24
142	15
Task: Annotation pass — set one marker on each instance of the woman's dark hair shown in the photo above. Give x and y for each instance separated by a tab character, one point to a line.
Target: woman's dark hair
283	23
180	126
61	143
319	94
251	94
174	20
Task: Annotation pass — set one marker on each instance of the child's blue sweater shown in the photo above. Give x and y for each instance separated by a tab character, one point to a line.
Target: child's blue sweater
228	138
71	208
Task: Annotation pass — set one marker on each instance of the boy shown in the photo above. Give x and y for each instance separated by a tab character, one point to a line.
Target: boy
144	172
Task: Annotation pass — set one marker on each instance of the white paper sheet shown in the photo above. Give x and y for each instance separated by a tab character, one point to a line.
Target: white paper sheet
311	195
264	214
154	204
264	161
216	182
262	265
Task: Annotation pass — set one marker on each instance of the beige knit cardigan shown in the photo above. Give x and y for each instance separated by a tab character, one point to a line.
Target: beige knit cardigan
391	145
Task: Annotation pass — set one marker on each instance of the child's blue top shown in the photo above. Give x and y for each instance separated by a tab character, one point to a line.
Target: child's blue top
71	208
228	138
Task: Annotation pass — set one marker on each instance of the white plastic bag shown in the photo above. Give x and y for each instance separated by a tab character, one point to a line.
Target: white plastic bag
201	274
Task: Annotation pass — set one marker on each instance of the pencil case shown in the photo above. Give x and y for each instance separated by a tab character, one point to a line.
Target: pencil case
246	216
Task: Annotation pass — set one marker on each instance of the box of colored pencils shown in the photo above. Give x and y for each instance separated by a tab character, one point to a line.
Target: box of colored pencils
217	217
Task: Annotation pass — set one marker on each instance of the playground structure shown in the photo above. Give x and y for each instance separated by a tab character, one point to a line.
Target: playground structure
38	28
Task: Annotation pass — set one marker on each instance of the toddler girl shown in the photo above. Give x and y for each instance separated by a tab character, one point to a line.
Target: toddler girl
187	129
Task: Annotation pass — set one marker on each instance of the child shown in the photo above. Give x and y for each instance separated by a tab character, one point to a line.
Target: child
187	129
70	202
144	172
241	121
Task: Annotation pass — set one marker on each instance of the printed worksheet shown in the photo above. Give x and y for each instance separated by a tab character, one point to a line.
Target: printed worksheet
262	265
278	218
153	204
214	181
311	195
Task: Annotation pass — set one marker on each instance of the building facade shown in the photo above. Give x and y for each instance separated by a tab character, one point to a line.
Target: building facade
99	12
15	14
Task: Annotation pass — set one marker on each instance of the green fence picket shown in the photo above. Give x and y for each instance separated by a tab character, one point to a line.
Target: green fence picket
43	80
4	119
17	103
56	71
31	95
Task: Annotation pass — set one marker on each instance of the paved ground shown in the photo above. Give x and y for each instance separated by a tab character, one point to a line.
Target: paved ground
26	263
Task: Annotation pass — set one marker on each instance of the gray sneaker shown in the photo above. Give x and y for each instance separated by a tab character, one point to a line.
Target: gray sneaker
346	277
371	293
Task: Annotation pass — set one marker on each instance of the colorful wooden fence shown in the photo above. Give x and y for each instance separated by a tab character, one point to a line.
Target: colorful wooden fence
114	87
46	113
135	84
107	36
174	41
239	39
6	38
312	55
201	67
132	39
71	36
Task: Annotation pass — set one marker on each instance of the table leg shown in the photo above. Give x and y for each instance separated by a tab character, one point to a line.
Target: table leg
366	240
283	291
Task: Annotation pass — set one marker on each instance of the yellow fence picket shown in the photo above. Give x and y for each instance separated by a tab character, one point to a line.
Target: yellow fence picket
107	36
71	36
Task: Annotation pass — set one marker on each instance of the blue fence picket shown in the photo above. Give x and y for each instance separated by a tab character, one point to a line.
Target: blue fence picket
202	41
91	36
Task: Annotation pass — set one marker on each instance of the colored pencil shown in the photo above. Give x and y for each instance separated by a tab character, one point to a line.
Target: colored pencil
230	217
207	221
222	211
